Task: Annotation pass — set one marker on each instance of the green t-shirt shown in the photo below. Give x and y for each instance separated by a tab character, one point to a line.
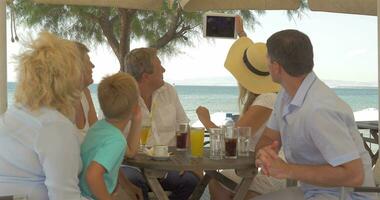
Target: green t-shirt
104	144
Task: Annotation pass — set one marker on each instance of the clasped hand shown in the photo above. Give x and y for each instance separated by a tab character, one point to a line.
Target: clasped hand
270	163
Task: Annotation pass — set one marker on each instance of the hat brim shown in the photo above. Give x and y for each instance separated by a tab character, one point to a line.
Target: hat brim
235	65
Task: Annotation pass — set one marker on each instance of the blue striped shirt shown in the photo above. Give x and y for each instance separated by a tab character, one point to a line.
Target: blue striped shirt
317	128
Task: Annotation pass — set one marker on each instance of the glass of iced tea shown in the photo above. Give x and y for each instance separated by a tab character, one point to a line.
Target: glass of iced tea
145	132
182	132
230	142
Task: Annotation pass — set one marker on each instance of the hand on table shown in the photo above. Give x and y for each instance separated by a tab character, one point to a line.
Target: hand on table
270	163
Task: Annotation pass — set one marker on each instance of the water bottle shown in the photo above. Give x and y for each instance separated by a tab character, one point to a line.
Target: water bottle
228	122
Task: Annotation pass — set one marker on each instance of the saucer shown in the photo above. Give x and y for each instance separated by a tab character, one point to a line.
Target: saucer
160	158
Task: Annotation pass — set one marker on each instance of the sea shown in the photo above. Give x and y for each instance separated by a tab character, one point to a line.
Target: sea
224	98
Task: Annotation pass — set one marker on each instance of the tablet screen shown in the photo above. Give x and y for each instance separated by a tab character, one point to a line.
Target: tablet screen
220	26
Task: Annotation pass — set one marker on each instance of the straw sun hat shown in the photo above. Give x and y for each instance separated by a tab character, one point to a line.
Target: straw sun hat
247	63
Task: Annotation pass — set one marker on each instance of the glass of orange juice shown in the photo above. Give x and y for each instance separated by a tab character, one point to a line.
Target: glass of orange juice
145	132
196	140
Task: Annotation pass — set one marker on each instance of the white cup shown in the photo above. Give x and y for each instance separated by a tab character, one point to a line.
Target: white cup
160	151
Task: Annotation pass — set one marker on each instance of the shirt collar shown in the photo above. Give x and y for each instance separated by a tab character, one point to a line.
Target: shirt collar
158	90
299	98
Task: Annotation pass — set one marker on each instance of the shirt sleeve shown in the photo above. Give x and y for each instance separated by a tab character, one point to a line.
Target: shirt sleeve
58	149
180	112
274	119
332	137
110	153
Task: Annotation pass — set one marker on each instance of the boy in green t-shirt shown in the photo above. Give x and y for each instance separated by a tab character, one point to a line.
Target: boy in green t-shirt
104	146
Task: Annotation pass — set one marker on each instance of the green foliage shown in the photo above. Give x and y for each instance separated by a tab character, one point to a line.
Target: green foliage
72	22
82	23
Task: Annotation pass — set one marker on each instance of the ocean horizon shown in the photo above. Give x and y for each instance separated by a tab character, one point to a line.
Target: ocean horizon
225	98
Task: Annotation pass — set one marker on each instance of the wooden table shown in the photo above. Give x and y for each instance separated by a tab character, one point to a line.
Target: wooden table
181	161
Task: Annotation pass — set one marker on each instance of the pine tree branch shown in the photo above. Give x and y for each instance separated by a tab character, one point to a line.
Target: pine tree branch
126	17
172	30
107	28
114	18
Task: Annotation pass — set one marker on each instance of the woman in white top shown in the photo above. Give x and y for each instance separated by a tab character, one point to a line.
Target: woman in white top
39	146
85	114
247	63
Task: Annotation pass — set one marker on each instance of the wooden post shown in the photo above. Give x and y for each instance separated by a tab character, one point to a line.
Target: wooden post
3	57
378	63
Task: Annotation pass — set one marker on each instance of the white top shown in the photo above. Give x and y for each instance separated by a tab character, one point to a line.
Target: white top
86	109
39	155
167	113
266	100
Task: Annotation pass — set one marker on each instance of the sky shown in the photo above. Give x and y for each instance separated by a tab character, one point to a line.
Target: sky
345	49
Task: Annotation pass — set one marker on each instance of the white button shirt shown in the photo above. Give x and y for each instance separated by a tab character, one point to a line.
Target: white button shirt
39	155
166	113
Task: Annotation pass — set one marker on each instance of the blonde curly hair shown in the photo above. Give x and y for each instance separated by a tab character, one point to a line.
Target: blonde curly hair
49	74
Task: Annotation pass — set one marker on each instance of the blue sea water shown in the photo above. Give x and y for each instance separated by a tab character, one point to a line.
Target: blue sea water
224	98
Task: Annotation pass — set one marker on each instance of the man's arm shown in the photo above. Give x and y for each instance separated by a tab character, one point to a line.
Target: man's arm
133	138
268	137
180	112
349	174
95	181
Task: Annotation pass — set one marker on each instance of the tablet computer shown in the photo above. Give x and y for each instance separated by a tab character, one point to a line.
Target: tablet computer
219	25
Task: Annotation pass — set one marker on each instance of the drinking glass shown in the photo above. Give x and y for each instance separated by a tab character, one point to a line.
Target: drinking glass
230	142
196	140
216	135
244	141
182	131
145	132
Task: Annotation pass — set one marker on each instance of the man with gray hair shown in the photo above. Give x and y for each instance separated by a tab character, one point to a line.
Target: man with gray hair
162	110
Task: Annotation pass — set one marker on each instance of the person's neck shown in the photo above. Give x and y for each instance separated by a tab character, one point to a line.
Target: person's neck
120	124
146	94
291	84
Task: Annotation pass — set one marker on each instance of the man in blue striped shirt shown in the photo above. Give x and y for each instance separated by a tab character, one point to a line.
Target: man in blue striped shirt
316	129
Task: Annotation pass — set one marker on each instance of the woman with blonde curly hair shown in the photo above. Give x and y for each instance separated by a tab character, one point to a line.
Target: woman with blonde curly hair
39	146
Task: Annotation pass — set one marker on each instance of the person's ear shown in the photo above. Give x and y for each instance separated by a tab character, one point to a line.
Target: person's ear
144	76
276	68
